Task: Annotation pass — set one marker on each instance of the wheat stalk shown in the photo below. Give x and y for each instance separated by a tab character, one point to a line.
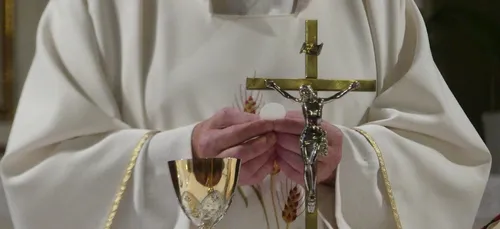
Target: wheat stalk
293	202
249	103
276	170
246	103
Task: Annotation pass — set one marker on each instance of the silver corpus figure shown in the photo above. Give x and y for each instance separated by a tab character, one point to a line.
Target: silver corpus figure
313	141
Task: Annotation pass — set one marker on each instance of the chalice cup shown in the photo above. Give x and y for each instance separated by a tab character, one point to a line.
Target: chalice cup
205	187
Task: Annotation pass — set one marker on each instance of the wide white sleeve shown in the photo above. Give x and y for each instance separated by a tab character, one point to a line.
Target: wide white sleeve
69	148
417	159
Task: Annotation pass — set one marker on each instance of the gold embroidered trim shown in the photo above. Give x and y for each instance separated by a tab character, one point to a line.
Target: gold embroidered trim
385	176
126	178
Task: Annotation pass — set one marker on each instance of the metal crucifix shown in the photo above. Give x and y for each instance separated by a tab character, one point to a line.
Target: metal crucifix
313	139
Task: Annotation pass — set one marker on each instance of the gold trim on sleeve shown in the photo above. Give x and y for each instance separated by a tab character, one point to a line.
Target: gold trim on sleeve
126	178
385	176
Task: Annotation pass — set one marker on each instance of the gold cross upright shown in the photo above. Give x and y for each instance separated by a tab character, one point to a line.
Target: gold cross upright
311	49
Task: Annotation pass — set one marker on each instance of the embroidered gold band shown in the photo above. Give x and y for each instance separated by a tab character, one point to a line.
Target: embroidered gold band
385	176
126	178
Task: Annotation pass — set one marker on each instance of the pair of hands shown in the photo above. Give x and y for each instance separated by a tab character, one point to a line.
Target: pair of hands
259	143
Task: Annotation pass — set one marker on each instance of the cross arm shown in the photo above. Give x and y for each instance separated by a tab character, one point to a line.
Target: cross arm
317	84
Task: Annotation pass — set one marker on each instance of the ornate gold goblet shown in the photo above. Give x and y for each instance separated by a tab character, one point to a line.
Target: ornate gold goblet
205	187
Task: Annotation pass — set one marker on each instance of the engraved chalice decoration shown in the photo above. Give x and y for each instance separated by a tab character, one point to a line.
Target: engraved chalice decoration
205	187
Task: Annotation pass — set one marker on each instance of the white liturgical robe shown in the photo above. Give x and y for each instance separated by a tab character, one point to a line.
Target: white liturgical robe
105	73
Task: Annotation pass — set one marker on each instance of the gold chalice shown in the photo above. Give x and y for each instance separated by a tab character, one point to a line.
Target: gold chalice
205	187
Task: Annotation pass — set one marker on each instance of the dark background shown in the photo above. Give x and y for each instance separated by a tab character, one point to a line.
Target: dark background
465	42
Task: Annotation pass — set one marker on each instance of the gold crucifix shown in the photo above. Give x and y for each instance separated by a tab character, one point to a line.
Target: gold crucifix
311	49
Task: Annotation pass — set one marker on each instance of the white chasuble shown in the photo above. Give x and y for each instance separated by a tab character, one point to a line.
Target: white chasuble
106	73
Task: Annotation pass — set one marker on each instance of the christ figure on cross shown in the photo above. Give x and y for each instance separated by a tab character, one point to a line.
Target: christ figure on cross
313	141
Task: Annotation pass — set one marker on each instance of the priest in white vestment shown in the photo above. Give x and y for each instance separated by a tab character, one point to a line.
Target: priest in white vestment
107	73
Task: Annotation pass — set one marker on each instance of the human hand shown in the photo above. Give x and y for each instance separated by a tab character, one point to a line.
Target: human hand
290	160
232	133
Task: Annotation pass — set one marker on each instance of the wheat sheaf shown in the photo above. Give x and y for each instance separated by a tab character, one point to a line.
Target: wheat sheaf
248	101
251	102
291	201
